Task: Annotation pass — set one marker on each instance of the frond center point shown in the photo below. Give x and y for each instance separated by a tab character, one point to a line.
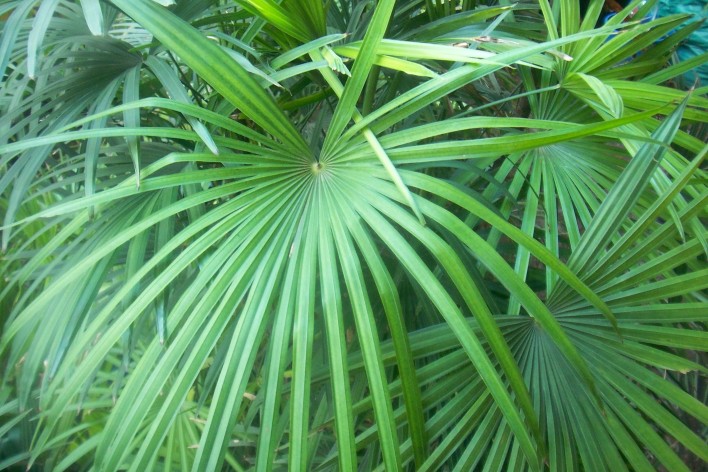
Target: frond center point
318	167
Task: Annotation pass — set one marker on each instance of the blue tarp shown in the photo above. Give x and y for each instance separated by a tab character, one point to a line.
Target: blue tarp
697	43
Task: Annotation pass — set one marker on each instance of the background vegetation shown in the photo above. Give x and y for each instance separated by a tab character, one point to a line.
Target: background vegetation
304	235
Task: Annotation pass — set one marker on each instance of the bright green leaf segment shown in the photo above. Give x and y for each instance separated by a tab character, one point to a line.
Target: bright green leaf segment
411	235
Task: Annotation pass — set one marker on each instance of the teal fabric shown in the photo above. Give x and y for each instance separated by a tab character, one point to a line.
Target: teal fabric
697	43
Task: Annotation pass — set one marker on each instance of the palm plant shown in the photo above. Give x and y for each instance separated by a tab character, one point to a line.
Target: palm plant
350	235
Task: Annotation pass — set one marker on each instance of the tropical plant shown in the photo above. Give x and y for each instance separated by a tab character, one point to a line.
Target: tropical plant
305	235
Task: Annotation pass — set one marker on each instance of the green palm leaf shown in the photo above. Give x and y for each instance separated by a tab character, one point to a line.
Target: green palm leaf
379	236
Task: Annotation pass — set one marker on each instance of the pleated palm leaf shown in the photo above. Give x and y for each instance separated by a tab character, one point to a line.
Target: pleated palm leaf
319	241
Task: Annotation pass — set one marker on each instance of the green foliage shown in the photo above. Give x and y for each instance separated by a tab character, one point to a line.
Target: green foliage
393	235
